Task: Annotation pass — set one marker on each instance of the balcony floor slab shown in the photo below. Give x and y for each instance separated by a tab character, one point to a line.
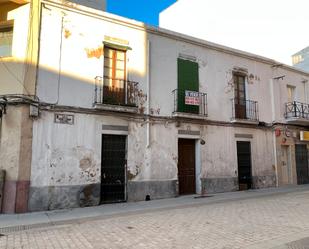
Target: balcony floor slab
245	121
116	108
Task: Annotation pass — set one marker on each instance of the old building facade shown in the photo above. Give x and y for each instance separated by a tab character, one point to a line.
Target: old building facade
96	108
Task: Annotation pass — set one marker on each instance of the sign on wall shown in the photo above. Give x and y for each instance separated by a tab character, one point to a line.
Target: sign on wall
192	98
304	136
61	118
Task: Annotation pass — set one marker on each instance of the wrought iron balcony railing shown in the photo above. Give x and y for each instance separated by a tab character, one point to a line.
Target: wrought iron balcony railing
245	109
296	110
115	91
191	102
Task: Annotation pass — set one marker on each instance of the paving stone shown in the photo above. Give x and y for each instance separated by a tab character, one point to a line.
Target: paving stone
224	225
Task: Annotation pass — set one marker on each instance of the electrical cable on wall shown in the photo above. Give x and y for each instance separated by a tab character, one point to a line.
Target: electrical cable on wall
60	58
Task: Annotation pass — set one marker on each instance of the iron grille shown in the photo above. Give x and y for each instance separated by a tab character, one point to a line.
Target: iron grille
245	109
115	91
296	110
181	103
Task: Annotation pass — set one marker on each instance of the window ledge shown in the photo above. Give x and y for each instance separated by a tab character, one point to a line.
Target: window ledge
116	108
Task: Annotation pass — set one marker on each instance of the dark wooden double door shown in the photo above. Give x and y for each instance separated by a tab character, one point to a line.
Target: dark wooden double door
186	166
244	165
301	155
113	168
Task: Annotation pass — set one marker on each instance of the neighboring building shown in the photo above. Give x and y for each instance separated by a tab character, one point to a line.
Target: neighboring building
126	112
301	59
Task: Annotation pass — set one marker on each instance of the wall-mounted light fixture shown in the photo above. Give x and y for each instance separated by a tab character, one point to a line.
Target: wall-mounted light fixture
279	77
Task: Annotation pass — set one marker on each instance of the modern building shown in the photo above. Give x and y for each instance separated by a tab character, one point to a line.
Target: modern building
97	108
301	59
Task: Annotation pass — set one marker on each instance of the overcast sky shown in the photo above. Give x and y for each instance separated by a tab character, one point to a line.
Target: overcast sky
272	28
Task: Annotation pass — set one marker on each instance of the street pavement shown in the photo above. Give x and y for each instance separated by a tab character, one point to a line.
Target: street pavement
271	218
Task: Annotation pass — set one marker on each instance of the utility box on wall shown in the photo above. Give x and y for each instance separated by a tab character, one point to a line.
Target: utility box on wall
2	178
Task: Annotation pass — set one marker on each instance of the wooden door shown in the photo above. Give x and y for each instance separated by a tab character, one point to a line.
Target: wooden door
301	154
285	165
186	166
113	168
240	96
244	165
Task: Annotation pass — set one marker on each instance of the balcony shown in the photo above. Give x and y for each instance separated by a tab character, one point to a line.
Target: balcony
190	104
115	94
244	111
297	113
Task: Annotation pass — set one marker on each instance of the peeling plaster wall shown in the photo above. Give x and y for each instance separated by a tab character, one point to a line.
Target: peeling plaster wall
159	161
66	161
219	168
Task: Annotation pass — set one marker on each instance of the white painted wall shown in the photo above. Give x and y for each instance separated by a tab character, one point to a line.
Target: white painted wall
67	69
12	69
72	74
68	154
215	76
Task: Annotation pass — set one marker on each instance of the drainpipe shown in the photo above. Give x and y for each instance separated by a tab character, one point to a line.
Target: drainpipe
148	93
39	47
2	179
273	117
272	92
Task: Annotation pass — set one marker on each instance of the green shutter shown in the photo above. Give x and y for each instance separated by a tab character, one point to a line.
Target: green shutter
187	80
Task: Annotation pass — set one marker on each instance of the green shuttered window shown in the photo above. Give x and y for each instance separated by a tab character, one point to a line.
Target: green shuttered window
188	80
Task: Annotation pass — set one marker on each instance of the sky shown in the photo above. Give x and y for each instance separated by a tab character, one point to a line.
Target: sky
275	29
146	11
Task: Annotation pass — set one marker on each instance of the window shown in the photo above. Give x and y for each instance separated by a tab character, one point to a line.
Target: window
240	95
6	40
290	93
188	80
115	89
114	67
239	87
